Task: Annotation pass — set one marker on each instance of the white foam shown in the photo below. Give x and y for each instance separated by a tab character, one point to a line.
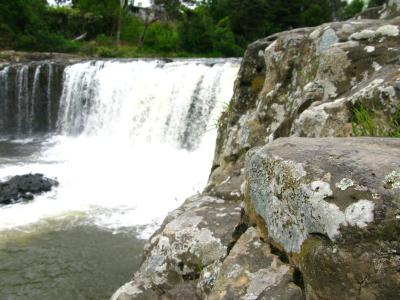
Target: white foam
126	167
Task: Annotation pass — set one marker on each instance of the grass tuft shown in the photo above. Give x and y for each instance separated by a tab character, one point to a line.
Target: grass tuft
368	123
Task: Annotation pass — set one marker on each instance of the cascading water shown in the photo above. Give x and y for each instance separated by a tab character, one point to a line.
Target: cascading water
29	98
130	141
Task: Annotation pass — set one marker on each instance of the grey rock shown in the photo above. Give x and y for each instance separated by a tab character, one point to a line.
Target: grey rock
327	39
307	82
24	187
251	271
397	85
193	237
332	206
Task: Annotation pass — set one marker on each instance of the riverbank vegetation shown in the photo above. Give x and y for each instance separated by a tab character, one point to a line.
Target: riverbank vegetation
116	28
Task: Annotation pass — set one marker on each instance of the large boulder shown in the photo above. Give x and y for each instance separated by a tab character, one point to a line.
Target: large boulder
307	82
333	206
253	271
24	187
192	238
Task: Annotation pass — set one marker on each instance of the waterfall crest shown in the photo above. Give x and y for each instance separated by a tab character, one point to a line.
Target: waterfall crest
148	101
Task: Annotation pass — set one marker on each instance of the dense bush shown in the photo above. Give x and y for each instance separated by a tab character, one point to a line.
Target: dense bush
213	28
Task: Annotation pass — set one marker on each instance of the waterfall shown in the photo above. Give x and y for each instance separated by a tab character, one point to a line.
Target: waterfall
129	139
29	98
23	94
4	96
35	89
148	101
49	93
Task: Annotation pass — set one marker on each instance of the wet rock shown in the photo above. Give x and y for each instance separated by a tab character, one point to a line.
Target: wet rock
251	271
332	205
192	238
24	187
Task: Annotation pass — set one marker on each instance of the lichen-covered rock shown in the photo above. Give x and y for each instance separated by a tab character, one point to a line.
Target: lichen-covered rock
307	82
192	238
333	205
390	9
251	271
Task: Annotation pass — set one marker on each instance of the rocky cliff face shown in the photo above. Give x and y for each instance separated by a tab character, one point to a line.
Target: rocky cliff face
307	83
321	212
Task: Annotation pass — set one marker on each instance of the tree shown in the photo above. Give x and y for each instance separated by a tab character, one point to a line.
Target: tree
172	8
223	40
196	31
353	8
101	16
374	3
249	19
151	16
316	12
23	26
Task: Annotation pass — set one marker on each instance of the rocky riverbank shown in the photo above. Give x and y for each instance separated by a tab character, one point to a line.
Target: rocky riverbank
296	207
20	56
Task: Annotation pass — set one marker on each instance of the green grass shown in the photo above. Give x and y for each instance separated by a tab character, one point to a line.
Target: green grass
94	49
368	123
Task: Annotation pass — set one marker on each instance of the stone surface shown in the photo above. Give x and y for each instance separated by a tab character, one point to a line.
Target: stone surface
251	271
328	208
19	56
307	82
24	187
192	238
390	9
333	205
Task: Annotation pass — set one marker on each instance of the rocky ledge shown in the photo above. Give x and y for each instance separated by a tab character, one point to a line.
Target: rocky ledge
295	207
24	187
332	206
321	221
19	56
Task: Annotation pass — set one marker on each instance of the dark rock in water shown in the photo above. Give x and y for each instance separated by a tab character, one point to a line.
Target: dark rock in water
167	60
24	187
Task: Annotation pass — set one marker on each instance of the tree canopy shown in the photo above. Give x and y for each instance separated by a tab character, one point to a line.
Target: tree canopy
111	28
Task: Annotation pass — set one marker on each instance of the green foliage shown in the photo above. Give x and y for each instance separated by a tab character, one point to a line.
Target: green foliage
249	19
213	28
374	3
363	123
368	123
354	8
394	123
196	31
163	37
132	27
223	40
